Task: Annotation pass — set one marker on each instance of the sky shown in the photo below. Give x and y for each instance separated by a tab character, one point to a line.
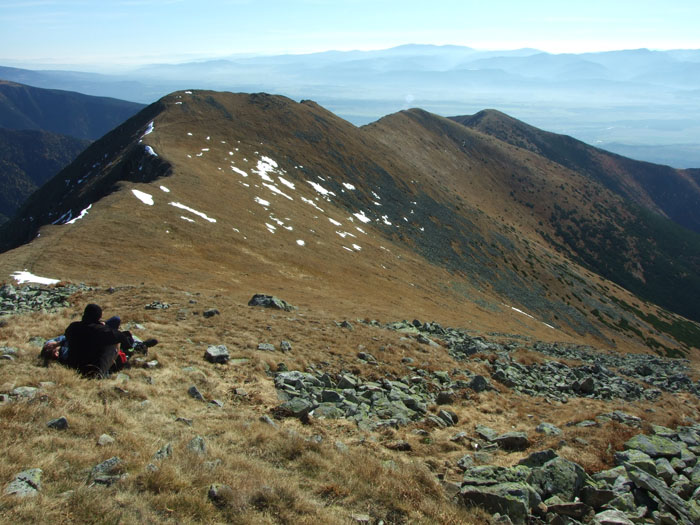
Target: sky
115	33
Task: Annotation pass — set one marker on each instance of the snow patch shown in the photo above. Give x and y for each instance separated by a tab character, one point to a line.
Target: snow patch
239	171
275	189
289	185
150	151
348	186
265	166
360	215
309	201
82	214
187	208
143	197
186	218
166	190
27	277
262	202
300	242
358	248
320	189
149	130
333	221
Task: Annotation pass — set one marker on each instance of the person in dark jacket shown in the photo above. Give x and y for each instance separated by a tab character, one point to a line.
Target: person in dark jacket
93	344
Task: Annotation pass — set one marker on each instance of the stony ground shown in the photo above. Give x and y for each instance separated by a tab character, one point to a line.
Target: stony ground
249	414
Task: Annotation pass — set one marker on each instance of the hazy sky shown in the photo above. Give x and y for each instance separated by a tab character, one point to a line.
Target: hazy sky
140	31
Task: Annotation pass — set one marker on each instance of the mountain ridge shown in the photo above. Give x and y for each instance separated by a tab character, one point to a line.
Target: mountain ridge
286	185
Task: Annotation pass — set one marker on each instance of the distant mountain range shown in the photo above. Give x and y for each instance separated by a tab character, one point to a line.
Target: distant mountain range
487	219
41	131
631	101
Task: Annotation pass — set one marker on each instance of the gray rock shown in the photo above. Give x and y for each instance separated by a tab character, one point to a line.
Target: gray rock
211	313
654	446
645	481
538	459
216	403
548	429
198	446
104	440
558	477
107	472
270	301
510	499
266	347
194	392
60	423
465	462
479	383
612	517
163	452
285	346
26	484
297	407
512	441
486	433
24	392
217	354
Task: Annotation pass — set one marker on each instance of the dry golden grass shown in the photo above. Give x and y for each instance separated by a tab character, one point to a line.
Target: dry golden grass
276	475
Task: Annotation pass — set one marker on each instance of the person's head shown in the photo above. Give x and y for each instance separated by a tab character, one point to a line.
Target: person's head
114	322
92	313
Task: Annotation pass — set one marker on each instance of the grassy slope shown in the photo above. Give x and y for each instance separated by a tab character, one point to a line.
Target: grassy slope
278	475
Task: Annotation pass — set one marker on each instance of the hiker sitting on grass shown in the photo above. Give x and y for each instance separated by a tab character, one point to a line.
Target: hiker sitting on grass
93	346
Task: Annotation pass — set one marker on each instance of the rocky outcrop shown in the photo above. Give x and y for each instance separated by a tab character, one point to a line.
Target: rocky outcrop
270	301
656	480
32	298
603	376
371	404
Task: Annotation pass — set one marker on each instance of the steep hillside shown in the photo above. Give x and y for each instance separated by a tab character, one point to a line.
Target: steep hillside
670	192
28	158
63	112
233	190
519	381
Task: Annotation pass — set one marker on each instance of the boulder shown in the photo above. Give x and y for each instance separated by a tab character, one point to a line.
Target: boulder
60	423
510	499
107	472
217	354
654	446
270	301
512	441
26	484
558	477
612	517
548	429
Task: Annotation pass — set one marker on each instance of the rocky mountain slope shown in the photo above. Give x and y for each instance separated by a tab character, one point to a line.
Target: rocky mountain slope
521	386
28	158
414	205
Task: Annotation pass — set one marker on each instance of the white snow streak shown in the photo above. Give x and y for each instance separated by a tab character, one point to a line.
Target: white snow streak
82	214
239	171
26	277
360	215
143	197
262	202
187	208
150	151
